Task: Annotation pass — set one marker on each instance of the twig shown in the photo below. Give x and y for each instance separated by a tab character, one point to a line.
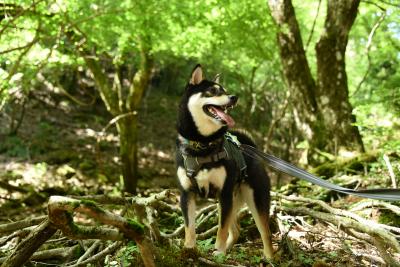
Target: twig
276	121
51	87
20	233
99	255
151	200
19	14
88	252
208	233
313	27
374	203
207	218
61	239
152	224
368	48
56	253
390	169
180	229
10	227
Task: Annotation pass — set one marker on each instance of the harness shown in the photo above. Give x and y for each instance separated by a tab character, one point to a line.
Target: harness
230	150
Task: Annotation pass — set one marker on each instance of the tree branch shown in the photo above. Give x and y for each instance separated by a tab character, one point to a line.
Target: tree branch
60	209
9	227
30	244
368	50
313	26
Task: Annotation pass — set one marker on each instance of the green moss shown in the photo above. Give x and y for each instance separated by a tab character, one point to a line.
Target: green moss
389	218
355	164
78	251
136	226
92	204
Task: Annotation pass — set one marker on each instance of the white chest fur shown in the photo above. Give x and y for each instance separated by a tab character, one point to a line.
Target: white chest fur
205	178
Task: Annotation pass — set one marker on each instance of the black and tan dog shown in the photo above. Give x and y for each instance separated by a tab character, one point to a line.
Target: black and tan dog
209	163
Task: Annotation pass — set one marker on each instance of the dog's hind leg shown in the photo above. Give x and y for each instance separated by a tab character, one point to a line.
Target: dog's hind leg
257	201
188	207
234	227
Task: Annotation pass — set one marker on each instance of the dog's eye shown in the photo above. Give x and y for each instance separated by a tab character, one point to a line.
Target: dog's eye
210	92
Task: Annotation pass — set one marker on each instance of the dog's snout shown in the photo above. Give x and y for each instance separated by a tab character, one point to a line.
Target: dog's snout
233	99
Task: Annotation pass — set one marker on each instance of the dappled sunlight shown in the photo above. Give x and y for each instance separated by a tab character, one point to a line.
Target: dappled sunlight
317	85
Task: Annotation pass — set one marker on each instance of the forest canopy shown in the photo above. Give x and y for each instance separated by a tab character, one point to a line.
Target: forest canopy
89	92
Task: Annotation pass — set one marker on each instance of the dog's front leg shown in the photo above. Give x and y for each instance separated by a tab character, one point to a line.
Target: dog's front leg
225	220
188	206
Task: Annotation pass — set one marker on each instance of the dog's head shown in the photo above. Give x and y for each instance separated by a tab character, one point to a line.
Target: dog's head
208	104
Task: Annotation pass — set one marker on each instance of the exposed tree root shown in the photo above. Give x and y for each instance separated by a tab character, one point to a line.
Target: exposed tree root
30	244
370	231
60	209
65	212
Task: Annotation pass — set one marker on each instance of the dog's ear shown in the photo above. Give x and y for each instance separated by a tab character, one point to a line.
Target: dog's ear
217	77
197	75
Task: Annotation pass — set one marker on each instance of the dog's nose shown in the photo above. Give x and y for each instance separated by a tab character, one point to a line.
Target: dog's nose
233	99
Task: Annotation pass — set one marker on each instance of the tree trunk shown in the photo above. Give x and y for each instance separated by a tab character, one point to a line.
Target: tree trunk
128	126
128	137
297	73
322	111
332	89
125	108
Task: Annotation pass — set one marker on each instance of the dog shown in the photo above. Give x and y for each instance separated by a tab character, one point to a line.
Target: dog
209	163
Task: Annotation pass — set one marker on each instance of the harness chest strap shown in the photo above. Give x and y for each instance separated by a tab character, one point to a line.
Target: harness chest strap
230	151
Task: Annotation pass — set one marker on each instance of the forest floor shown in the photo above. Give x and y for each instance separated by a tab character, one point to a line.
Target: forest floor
61	149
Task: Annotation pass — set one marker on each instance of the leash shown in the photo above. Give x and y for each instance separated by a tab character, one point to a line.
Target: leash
389	194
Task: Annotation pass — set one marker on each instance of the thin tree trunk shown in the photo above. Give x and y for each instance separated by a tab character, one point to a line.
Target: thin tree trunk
128	137
118	104
297	72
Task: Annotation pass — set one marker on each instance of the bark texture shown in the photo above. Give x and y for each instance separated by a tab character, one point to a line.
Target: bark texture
322	109
332	89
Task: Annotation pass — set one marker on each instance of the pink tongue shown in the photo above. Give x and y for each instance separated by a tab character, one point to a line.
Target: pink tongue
228	119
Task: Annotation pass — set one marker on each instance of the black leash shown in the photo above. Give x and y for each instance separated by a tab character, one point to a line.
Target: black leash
283	166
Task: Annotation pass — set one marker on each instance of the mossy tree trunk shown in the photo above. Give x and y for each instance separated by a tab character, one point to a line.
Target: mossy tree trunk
128	150
322	109
123	104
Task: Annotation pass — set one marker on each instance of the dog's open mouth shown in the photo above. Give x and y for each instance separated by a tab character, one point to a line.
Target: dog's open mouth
220	113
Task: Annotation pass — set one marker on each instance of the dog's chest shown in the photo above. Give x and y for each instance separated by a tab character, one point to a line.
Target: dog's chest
205	179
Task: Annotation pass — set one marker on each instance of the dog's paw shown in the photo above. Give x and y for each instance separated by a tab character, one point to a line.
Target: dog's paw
217	252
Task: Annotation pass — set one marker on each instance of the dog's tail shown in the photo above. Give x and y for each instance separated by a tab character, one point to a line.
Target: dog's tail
244	137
